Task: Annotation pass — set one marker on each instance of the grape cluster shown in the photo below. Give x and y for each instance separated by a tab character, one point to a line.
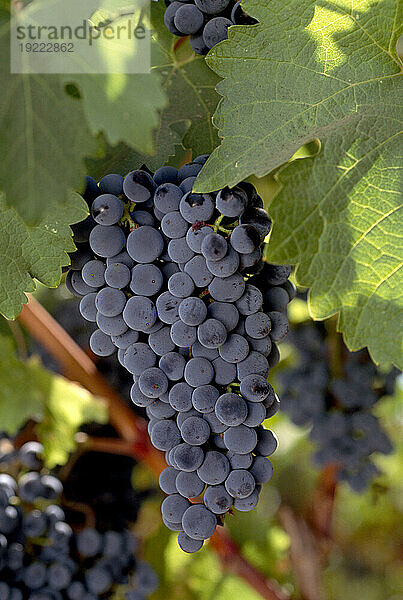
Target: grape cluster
338	407
206	21
173	279
41	558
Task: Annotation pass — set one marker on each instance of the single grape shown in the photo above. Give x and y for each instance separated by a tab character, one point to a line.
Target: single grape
261	469
198	522
192	311
167	197
140	313
173	365
195	431
227	289
255	364
188	19
256	388
167	480
212	7
217	499
231	202
153	382
138	357
204	398
188	544
279	325
234	349
183	335
196	267
225	267
240	461
224	372
93	273
231	409
117	275
240	439
245	239
196	207
181	285
180	397
110	302
101	344
166	175
111	325
212	333
111	184
214	469
107	209
179	251
161	342
251	301
188	458
168	307
139	186
214	247
240	483
198	371
146	280
189	485
189	170
215	31
173	225
267	442
107	241
138	398
145	244
256	414
165	435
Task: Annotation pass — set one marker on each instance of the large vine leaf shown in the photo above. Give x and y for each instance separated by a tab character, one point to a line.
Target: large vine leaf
343	226
60	407
300	73
325	70
34	252
44	138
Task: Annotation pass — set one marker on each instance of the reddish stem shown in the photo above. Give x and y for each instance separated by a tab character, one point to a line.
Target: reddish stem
79	367
321	516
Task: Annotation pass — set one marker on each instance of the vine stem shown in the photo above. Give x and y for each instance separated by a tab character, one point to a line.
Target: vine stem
79	367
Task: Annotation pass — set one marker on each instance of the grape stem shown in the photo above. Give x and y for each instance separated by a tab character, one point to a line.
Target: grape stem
78	366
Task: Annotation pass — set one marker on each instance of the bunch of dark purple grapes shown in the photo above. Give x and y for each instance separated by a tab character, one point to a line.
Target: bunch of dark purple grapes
177	285
206	21
41	558
338	407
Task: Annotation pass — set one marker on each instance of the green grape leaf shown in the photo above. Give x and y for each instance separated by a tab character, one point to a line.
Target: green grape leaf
124	106
343	228
44	138
299	74
60	407
34	252
20	400
68	406
326	70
